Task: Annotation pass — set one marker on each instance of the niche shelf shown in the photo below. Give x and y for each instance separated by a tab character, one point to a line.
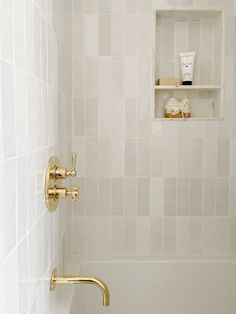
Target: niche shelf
180	30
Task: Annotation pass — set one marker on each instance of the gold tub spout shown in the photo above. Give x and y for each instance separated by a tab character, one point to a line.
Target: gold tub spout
55	279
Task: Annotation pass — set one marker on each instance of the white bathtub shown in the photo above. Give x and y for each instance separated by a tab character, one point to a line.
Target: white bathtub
160	287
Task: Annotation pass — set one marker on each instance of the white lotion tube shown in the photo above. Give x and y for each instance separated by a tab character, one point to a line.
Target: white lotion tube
187	65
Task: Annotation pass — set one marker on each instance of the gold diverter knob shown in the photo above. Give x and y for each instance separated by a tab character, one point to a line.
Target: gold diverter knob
54	192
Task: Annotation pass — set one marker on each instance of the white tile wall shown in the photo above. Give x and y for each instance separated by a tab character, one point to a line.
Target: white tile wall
35	123
153	187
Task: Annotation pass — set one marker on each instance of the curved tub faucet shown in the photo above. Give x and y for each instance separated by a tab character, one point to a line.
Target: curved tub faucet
91	280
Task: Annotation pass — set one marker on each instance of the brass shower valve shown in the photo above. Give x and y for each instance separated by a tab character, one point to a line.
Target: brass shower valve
53	191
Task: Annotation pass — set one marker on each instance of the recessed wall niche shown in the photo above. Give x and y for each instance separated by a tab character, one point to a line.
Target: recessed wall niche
185	30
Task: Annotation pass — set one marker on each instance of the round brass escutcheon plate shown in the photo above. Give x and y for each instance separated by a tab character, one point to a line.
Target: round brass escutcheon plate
52	280
51	202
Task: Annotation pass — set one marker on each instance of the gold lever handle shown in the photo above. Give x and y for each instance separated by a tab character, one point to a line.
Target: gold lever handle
73	172
58	172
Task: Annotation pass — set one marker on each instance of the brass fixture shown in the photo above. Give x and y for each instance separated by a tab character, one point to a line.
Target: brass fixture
55	279
58	172
58	192
54	192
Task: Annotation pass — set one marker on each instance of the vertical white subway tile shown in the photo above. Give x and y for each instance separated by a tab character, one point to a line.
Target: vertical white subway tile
9	203
182	196
145	83
130	234
91	78
170	197
21	192
156	235
130	196
209	197
232	226
91	121
222	197
79	117
132	35
182	236
194	37
21	112
104	35
118	34
118	236
118	77
143	157
19	38
10	279
104	117
143	197
206	47
131	77
232	197
104	196
209	158
145	29
104	157
131	117
8	110
78	39
92	157
91	196
131	157
229	76
78	77
118	117
105	77
117	196
7	29
143	235
118	157
195	235
223	157
184	158
196	158
156	197
78	234
22	277
169	236
196	197
157	158
169	158
167	49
